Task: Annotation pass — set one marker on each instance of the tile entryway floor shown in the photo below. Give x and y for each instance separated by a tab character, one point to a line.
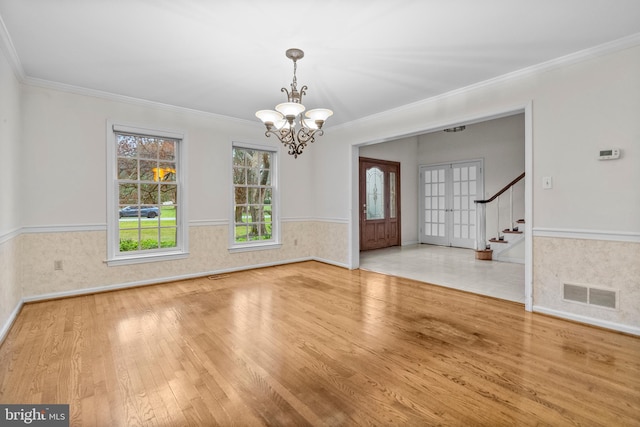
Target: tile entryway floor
451	267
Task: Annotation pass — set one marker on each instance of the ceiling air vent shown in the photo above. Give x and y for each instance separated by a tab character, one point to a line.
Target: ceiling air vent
593	296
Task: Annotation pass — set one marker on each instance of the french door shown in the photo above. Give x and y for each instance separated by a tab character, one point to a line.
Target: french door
447	208
379	203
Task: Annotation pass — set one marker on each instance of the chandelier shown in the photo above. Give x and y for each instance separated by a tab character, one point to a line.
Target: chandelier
283	121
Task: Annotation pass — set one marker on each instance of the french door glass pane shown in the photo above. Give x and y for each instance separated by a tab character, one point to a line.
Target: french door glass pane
465	188
434	202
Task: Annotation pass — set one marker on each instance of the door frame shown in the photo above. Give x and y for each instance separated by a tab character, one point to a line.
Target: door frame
384	165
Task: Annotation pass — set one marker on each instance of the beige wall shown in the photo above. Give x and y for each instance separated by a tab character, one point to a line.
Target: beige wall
600	264
83	253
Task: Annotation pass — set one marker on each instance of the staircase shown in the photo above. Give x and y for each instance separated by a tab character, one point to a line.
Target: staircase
507	243
510	238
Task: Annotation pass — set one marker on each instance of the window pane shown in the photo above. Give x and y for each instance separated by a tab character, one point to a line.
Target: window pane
148	170
167	150
239	214
127	168
240	195
168	193
253	176
265	177
129	240
239	175
267	196
127	146
128	194
149	194
169	212
265	160
168	237
148	148
238	157
267	216
253	195
242	232
166	172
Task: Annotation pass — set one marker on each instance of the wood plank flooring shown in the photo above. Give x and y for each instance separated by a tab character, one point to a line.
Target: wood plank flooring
313	344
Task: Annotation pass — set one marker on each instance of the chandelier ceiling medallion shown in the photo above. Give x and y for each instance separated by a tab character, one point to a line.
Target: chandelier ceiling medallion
283	121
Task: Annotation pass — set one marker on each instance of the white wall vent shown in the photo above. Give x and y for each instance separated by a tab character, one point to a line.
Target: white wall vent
593	296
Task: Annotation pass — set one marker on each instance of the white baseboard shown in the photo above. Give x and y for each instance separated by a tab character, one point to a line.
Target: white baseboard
628	329
12	318
156	281
328	261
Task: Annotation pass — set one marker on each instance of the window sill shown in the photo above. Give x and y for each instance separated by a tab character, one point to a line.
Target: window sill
254	247
140	259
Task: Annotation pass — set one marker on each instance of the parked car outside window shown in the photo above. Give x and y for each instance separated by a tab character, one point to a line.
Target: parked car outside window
143	211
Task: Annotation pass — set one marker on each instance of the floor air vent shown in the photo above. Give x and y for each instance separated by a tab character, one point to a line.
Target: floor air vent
593	296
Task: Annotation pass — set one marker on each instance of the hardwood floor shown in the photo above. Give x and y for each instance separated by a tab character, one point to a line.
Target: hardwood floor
314	344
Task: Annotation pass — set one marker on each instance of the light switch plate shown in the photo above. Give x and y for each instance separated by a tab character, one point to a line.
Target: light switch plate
547	182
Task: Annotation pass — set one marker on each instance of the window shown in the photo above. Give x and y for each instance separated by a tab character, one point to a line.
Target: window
146	206
254	222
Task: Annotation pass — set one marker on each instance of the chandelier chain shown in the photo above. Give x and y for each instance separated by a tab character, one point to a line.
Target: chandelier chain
295	80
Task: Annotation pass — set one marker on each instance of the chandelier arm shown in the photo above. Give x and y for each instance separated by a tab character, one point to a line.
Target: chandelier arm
289	95
306	135
284	135
303	91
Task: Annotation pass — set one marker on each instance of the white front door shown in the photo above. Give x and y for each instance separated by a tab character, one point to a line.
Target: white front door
448	213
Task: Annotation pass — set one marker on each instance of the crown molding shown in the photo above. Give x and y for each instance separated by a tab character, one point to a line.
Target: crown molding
563	61
6	45
109	96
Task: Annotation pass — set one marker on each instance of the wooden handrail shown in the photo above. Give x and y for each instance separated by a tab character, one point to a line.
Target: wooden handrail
506	187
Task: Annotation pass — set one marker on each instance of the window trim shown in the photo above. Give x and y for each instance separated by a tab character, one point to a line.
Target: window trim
114	257
257	245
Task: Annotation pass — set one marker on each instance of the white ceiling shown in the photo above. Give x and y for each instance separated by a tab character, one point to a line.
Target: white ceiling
361	56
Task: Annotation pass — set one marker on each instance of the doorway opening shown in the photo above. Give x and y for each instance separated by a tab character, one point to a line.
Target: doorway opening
426	156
